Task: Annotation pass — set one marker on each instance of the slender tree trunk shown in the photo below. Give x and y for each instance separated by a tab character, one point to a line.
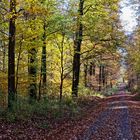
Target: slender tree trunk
77	50
17	69
100	77
32	67
86	73
40	84
106	78
61	86
62	67
91	73
44	67
94	69
103	75
4	57
90	69
43	75
11	54
32	74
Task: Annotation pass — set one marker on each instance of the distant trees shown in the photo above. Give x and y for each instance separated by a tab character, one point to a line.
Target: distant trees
133	50
133	60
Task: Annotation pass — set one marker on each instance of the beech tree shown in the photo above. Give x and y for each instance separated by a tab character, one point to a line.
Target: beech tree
11	54
77	49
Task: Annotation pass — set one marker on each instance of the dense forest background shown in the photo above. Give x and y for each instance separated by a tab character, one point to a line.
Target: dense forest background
62	49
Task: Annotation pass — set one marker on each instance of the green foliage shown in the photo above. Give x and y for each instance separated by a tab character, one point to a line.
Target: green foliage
101	36
83	91
111	91
133	60
48	108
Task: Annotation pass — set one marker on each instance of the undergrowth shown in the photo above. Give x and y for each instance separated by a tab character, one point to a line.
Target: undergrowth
47	108
50	108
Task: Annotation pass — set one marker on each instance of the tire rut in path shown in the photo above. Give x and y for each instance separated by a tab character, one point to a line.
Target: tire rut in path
101	120
124	125
123	131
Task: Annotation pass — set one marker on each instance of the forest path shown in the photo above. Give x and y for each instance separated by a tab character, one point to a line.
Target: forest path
114	118
114	123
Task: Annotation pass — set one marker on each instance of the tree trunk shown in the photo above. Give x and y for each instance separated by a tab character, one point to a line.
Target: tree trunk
32	74
91	73
100	78
44	57
61	87
103	75
77	50
43	75
4	57
18	62
86	73
106	78
90	69
94	69
62	66
11	54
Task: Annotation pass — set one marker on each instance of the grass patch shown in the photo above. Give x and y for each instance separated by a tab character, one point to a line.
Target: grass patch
86	92
48	108
110	91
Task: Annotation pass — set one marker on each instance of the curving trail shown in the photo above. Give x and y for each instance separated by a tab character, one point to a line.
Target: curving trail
114	123
119	119
115	118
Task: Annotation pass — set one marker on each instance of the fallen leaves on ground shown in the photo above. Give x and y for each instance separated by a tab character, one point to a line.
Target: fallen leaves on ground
39	128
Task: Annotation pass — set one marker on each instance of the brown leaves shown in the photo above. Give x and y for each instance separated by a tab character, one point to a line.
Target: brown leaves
41	128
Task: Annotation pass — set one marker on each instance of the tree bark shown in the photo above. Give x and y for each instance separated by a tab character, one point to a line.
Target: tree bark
18	62
62	66
11	55
4	57
100	77
94	69
77	50
91	69
43	75
103	75
32	74
86	73
44	67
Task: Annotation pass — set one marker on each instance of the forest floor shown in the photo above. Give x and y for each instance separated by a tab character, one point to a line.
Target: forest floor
114	118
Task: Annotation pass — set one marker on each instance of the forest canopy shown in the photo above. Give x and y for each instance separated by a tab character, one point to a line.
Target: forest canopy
58	47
